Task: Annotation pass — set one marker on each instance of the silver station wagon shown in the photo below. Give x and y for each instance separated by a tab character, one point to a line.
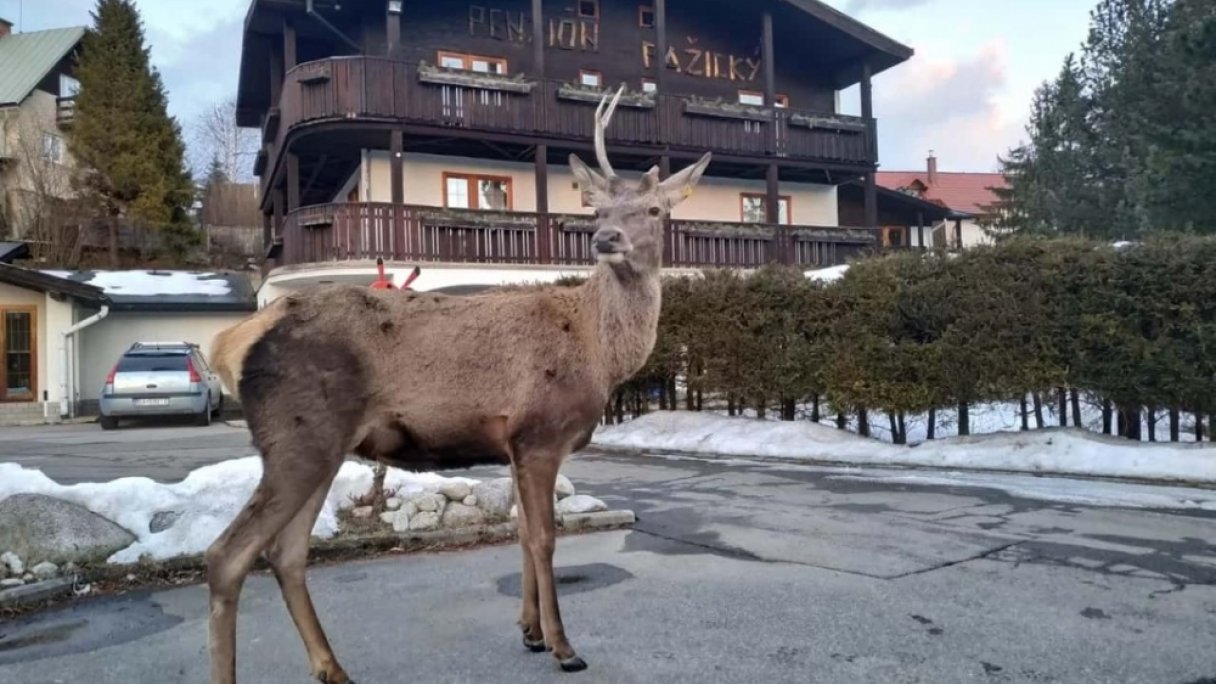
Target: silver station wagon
154	379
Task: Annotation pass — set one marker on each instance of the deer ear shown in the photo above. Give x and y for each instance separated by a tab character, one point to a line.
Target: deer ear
650	180
677	188
592	184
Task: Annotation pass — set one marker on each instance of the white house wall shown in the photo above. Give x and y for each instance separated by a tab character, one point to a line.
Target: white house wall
716	199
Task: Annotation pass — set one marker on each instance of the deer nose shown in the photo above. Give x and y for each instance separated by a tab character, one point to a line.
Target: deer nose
607	240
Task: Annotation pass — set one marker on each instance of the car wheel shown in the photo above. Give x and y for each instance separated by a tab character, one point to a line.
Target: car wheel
108	423
219	407
204	418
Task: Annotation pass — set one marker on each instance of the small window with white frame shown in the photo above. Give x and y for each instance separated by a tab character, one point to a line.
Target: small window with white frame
68	87
479	63
52	148
590	78
649	86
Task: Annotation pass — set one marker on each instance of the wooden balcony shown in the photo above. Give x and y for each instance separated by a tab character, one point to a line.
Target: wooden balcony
378	90
395	232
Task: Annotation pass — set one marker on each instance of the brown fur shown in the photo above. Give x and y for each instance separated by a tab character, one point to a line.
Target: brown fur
430	381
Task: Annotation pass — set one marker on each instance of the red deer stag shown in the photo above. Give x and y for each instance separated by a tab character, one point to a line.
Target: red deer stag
424	381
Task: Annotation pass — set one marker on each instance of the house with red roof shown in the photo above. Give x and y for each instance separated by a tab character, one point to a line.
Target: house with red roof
961	192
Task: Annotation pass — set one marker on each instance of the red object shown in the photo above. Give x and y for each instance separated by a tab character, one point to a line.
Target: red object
968	192
110	377
413	276
194	376
381	283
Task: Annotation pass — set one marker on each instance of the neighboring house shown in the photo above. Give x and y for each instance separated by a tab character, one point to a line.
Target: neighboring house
439	132
37	94
62	331
967	194
231	221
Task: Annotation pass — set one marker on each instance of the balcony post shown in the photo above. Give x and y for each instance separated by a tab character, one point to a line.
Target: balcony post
772	211
276	74
289	45
267	232
392	28
538	38
293	182
770	82
543	228
276	220
920	229
867	112
396	163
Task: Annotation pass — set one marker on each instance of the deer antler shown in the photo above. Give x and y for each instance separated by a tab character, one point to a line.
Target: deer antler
602	118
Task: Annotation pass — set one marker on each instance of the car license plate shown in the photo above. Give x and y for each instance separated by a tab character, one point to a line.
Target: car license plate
151	402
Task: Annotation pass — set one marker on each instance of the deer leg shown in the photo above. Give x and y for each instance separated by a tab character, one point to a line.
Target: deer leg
278	498
537	479
529	614
288	557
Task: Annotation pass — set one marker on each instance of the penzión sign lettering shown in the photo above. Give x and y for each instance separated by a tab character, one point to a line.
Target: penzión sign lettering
584	35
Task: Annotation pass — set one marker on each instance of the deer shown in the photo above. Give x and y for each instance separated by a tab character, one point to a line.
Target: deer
436	382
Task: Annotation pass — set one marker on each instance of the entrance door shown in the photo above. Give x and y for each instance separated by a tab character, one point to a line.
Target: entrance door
18	360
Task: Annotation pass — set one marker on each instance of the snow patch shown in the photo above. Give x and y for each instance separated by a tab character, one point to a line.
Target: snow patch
828	275
153	283
208	500
1057	451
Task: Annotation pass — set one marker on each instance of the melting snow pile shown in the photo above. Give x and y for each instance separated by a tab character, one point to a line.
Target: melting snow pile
1062	451
206	501
153	283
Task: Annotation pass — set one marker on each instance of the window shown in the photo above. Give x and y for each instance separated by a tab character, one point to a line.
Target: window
754	208
18	369
68	86
478	63
752	97
470	191
646	16
590	78
649	85
52	148
589	9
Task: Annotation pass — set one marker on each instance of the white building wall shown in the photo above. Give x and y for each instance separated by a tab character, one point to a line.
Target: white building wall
716	199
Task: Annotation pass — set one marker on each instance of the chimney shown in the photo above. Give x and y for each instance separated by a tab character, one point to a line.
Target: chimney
932	169
6	27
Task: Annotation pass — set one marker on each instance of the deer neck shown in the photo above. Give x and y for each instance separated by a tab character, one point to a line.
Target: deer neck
623	301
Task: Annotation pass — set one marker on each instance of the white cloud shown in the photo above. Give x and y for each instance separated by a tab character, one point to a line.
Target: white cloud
856	6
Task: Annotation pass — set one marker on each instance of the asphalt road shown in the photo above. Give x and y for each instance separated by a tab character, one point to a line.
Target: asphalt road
734	573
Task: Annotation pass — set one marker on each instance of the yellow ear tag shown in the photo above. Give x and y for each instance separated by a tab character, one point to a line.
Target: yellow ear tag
687	192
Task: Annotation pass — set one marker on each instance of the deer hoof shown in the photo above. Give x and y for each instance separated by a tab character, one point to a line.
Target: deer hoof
537	646
574	664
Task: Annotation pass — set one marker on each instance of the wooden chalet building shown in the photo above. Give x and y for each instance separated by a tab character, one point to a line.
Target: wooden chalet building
439	131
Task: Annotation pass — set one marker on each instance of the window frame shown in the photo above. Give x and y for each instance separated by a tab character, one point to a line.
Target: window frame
578	9
763	197
467	59
654	86
33	393
473	179
54	152
781	100
642	10
599	77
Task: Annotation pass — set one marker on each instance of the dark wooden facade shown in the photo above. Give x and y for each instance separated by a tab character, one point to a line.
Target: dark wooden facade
325	81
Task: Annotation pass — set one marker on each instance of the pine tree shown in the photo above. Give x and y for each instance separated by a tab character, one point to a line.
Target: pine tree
131	148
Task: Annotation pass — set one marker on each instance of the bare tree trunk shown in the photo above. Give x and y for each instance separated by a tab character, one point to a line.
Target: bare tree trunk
903	427
1175	422
1106	416
620	407
1024	411
1151	417
1198	427
863	422
761	408
689	398
730	405
1038	410
894	427
1120	422
609	418
673	399
842	421
1076	407
700	406
663	396
788	409
1063	397
964	419
932	423
113	226
815	409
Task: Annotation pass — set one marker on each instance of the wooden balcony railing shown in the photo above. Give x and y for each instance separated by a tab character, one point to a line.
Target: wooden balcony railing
397	232
65	111
381	89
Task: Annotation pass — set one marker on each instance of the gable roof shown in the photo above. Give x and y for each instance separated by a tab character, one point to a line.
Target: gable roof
38	281
11	251
29	57
966	192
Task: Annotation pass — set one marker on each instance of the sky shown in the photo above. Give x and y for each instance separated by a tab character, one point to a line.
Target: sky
965	94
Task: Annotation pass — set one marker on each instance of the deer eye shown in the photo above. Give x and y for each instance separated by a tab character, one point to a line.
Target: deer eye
655	211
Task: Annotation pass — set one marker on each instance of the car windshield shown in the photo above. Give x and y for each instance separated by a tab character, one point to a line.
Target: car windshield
147	363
